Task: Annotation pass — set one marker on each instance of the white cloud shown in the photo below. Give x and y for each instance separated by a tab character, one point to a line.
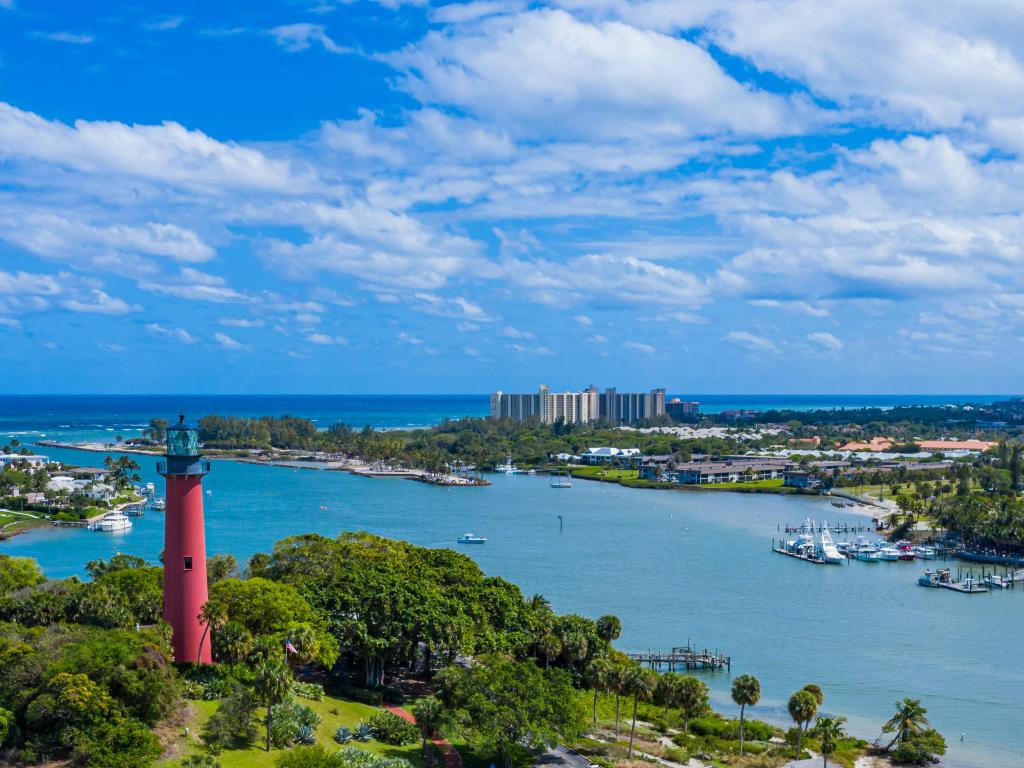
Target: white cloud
68	37
583	320
511	332
100	303
115	348
825	340
751	341
647	349
240	322
228	342
165	25
178	334
299	37
801	307
193	285
10	322
408	339
324	339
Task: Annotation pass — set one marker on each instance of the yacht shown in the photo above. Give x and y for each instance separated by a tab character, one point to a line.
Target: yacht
472	538
889	553
115	521
866	552
925	553
150	489
997	582
935	578
906	550
508	467
829	552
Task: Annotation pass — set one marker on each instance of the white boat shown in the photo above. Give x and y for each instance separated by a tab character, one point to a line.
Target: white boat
472	538
561	481
925	553
935	578
829	552
867	553
150	489
159	505
115	521
889	553
508	467
997	582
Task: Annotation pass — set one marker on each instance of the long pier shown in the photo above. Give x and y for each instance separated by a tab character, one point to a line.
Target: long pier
837	528
684	658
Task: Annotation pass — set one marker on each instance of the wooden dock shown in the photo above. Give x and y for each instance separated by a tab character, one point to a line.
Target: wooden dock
838	528
684	658
806	558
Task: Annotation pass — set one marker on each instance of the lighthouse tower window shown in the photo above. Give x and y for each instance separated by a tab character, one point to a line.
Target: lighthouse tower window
188	563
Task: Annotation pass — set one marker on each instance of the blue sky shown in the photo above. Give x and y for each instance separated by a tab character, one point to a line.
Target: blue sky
772	196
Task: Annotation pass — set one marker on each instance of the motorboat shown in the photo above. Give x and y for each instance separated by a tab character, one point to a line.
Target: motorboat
925	553
159	505
829	552
906	550
508	467
115	521
867	552
150	489
889	553
997	582
935	578
471	538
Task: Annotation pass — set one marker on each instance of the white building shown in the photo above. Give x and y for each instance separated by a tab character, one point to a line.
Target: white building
34	462
609	455
95	491
579	407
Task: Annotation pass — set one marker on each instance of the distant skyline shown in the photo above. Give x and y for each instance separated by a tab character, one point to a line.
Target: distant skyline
402	197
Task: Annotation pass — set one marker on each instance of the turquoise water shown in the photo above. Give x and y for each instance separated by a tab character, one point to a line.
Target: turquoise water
674	566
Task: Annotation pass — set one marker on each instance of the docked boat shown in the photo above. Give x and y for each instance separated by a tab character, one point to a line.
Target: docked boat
150	489
828	550
115	521
935	578
997	582
838	504
867	553
508	467
889	553
906	550
159	505
471	538
925	553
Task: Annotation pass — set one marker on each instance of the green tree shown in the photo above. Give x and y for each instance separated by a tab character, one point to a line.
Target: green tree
746	692
18	572
513	710
639	683
692	698
596	678
908	721
617	682
815	690
803	707
273	682
667	689
429	714
609	628
212	616
829	731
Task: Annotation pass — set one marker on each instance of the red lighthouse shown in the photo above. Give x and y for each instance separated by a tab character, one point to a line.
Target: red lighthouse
185	542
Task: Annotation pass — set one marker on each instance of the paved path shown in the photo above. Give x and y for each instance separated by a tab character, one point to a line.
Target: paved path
452	758
562	757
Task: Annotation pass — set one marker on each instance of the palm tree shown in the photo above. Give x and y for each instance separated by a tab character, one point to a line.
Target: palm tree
640	683
816	692
428	713
746	691
608	629
596	676
538	604
617	682
212	616
233	642
550	646
574	647
830	731
667	689
692	698
908	721
802	708
273	683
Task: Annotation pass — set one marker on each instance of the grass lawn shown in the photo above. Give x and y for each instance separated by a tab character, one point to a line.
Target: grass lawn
333	713
777	483
611	475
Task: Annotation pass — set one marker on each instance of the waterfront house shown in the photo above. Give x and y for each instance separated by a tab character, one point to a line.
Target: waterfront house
705	473
656	467
796	478
92	474
31	461
609	455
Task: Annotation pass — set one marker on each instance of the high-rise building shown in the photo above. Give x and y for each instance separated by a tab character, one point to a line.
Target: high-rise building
578	407
185	591
680	410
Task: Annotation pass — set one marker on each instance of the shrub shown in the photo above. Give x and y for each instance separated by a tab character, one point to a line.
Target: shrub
659	723
305	735
288	721
922	749
363	732
311	691
343	735
392	729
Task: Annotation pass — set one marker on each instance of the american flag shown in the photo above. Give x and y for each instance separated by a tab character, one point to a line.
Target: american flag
288	647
